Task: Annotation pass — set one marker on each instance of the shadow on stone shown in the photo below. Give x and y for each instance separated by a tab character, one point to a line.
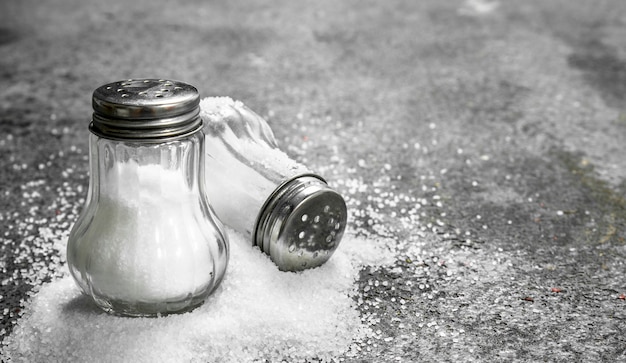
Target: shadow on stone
81	305
8	36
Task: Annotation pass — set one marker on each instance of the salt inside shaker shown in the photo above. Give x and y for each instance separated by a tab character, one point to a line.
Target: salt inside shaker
282	207
147	241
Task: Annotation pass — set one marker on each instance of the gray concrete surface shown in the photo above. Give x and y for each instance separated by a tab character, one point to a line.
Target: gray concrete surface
504	120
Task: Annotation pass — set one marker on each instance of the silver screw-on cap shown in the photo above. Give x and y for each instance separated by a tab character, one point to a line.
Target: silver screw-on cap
145	110
301	224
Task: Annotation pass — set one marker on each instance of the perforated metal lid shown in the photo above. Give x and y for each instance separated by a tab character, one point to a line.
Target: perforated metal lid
146	110
301	224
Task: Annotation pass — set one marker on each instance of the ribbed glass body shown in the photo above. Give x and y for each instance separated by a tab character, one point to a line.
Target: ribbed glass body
278	204
147	242
246	166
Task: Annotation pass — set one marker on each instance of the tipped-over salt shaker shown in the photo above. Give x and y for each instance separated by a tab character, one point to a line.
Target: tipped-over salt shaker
147	242
282	207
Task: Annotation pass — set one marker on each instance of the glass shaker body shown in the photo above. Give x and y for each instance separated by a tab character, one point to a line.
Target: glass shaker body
278	204
147	242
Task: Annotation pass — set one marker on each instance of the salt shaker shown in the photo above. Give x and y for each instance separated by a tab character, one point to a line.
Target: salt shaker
279	205
147	242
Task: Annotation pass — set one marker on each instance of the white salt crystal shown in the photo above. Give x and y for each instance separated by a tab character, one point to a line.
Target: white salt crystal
215	108
123	252
242	147
257	313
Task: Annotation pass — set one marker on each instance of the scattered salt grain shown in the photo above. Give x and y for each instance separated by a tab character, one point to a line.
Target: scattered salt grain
257	314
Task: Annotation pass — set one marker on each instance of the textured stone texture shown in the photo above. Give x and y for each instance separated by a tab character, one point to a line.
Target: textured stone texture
506	119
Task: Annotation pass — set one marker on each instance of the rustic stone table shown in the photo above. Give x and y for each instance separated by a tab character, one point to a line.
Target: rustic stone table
484	139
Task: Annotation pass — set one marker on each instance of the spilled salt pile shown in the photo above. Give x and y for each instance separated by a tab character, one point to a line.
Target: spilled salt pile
257	314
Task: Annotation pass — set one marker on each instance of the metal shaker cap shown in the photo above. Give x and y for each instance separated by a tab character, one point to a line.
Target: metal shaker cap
146	110
301	224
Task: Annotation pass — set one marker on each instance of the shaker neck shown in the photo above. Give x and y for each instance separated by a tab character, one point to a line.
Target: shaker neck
129	170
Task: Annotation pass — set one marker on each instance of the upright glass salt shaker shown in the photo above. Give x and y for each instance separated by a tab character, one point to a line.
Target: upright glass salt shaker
147	241
282	207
